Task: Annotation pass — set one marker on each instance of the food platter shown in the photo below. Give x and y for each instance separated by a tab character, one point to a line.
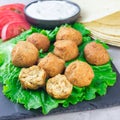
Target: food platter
100	102
111	99
82	105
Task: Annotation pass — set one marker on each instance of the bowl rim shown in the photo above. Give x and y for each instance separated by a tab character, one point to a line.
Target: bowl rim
53	20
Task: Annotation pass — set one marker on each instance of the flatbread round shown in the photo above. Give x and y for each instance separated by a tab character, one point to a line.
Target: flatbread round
102	28
101	35
114	43
112	19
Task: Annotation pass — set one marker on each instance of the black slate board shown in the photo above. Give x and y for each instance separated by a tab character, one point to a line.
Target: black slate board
11	111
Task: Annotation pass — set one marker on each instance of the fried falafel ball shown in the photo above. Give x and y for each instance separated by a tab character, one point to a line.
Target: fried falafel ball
32	77
39	40
96	54
52	64
79	73
66	49
68	33
59	87
24	54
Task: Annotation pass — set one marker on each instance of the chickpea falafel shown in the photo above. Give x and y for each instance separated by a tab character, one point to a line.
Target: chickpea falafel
66	49
68	33
52	64
79	73
39	40
32	77
59	87
96	54
24	54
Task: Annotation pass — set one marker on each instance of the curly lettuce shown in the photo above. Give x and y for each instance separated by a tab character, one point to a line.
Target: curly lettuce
104	75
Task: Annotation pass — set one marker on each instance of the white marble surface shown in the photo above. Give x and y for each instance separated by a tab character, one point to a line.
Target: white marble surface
93	9
112	113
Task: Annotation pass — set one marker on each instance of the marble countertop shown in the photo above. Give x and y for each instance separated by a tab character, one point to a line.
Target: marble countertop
112	113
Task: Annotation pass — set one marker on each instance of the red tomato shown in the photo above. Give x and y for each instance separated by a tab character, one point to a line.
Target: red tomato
9	12
13	29
18	7
12	20
8	16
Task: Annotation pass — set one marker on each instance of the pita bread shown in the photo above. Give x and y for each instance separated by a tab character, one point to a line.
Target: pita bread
108	37
102	28
105	38
113	19
107	29
107	41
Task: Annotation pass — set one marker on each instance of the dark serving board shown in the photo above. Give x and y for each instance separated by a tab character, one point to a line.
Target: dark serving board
11	111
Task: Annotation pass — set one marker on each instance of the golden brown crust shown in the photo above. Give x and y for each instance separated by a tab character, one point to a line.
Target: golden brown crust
52	64
32	77
39	40
66	49
59	87
68	33
96	54
24	54
79	73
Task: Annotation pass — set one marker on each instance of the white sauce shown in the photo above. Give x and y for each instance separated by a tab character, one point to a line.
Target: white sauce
51	10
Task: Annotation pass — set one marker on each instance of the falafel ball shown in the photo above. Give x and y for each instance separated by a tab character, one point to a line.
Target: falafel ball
32	77
24	54
66	49
52	64
39	40
59	87
96	54
68	33
79	73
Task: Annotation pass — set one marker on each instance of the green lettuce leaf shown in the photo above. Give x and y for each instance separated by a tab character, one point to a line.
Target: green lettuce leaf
34	99
81	28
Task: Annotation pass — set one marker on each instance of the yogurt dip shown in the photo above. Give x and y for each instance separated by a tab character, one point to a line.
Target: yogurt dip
51	10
